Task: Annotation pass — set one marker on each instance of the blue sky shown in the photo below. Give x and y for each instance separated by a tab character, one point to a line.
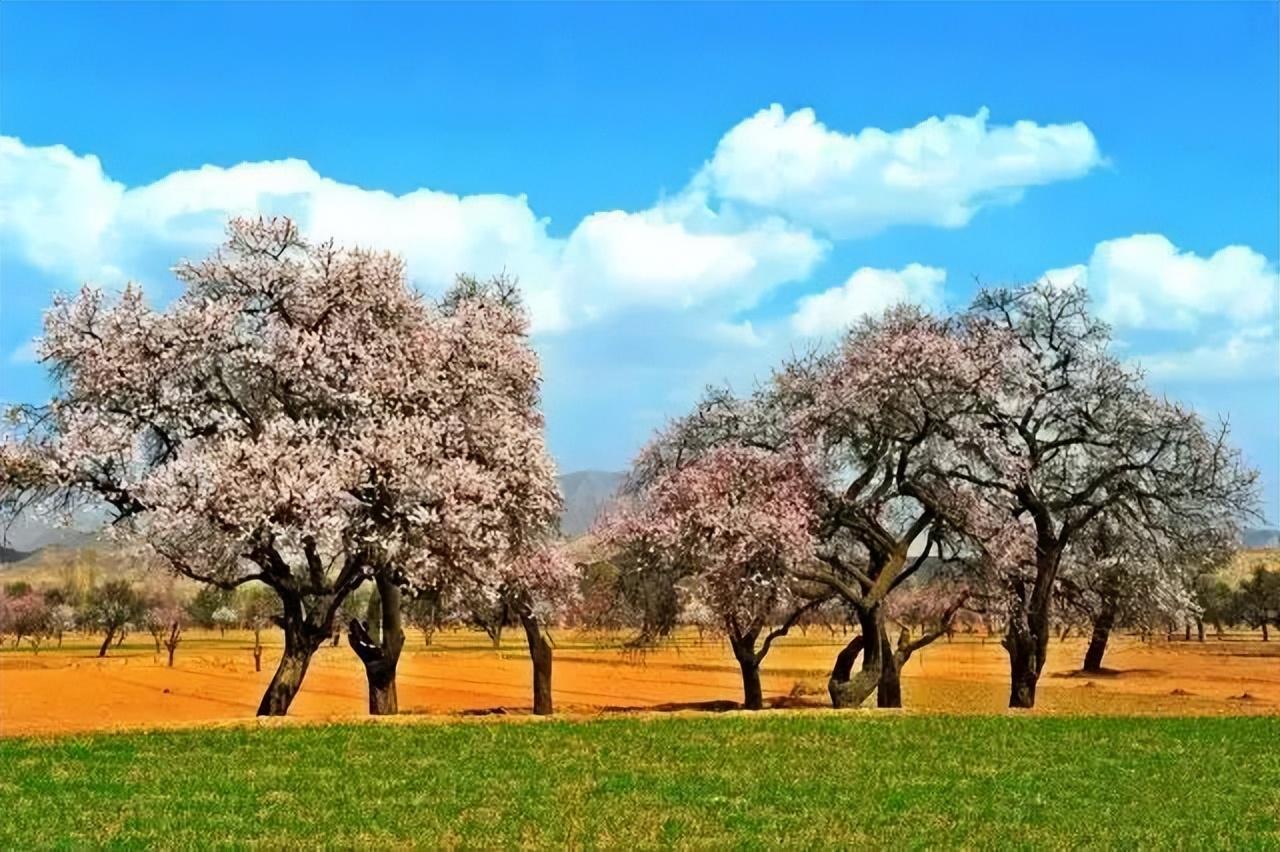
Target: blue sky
672	226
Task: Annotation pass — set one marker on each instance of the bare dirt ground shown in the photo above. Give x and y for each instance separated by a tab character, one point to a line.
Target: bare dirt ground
71	690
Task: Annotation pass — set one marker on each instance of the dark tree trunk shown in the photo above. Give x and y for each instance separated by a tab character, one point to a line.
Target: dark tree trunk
380	658
1266	637
889	689
1027	632
106	643
300	643
1101	633
846	658
540	655
1026	640
854	689
172	648
257	649
744	651
1200	629
289	673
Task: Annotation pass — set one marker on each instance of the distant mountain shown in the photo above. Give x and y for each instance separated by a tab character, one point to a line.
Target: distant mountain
29	532
586	492
9	555
1261	538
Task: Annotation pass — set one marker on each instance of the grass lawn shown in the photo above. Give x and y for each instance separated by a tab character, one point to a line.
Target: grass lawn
798	780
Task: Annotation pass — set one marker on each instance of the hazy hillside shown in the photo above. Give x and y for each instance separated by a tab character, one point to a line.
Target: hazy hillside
586	492
1261	538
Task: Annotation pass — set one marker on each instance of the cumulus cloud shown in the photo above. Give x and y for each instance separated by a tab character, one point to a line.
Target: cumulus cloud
1250	354
62	214
939	172
868	291
1145	281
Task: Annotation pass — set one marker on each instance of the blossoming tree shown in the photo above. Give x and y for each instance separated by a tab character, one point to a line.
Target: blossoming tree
1088	439
301	417
733	525
873	414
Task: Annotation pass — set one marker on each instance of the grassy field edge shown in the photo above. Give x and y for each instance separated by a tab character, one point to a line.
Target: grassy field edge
792	779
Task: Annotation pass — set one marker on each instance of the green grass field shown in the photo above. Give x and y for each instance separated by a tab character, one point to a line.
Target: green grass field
797	780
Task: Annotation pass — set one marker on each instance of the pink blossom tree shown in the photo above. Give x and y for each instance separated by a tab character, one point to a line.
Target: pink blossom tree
166	619
299	417
27	616
874	414
733	525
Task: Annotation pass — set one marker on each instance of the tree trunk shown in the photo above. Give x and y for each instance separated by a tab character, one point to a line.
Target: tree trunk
540	654
257	649
1025	640
106	643
373	616
1101	633
1266	637
889	689
852	690
289	674
380	658
299	645
744	651
172	648
1200	629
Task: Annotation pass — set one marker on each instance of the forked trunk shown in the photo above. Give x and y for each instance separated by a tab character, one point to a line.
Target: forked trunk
744	651
381	658
851	690
540	655
299	646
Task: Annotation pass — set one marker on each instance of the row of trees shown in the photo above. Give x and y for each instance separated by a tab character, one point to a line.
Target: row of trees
112	609
1004	451
301	419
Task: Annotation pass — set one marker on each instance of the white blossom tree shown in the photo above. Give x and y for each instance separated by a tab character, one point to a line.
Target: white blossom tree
300	417
1088	439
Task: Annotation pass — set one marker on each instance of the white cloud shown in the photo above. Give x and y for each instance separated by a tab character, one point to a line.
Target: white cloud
738	334
1250	354
1144	281
62	214
24	354
868	291
939	172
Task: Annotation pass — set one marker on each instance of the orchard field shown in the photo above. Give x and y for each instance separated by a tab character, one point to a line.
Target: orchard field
213	678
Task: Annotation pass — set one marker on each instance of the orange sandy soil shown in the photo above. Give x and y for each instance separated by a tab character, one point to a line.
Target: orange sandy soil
70	689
